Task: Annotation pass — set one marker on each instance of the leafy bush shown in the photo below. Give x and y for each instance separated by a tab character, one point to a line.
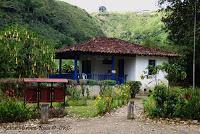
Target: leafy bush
104	104
24	53
11	111
106	92
150	106
92	82
75	93
182	103
1	95
111	98
135	87
108	82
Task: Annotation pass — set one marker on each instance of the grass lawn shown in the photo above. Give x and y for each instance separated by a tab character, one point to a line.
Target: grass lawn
89	110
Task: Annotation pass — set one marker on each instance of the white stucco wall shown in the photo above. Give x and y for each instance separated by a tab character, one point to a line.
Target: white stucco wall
130	68
141	65
96	64
134	68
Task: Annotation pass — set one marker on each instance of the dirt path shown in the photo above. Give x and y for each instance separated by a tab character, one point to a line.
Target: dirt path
114	123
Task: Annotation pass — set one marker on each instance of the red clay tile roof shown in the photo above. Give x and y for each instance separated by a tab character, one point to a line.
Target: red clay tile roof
103	45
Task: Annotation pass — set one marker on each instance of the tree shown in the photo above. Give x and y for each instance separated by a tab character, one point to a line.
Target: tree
23	54
179	21
54	20
174	72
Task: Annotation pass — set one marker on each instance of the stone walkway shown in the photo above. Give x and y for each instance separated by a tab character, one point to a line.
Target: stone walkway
114	123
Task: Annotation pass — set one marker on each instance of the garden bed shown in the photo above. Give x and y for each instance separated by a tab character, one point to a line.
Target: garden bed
178	102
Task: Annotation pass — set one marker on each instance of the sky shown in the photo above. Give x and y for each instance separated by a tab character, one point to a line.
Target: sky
116	5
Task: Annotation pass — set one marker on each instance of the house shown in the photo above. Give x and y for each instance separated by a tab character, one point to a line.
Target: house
104	58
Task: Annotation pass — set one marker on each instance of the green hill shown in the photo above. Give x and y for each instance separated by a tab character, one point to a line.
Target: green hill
57	21
144	27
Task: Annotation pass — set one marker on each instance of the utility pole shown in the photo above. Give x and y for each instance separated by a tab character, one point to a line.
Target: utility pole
194	51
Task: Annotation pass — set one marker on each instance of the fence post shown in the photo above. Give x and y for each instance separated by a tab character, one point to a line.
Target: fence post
44	113
130	110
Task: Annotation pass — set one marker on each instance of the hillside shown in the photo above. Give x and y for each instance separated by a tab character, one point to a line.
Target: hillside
57	21
144	28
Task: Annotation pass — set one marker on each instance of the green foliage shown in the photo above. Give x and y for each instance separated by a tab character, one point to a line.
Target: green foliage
80	102
87	92
55	20
108	82
142	28
179	21
2	96
177	102
23	54
92	82
82	111
75	93
134	87
104	105
82	90
11	111
111	98
174	72
106	92
150	106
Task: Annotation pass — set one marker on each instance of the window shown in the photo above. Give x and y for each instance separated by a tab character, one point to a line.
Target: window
152	63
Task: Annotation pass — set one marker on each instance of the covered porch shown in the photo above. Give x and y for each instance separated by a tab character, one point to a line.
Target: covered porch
92	66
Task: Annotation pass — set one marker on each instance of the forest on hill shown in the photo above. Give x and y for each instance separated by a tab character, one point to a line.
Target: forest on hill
57	21
65	24
144	28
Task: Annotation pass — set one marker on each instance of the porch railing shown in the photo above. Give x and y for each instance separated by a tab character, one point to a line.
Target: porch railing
93	76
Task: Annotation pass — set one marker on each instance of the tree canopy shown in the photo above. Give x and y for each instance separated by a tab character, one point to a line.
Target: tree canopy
179	21
23	54
54	20
143	28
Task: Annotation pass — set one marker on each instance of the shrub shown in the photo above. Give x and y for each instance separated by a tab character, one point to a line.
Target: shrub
160	94
182	103
74	93
108	82
92	82
106	92
135	87
150	106
11	111
1	95
192	108
104	104
111	98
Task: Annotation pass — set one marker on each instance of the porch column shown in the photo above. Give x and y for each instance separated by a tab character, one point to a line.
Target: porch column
75	68
60	66
113	68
